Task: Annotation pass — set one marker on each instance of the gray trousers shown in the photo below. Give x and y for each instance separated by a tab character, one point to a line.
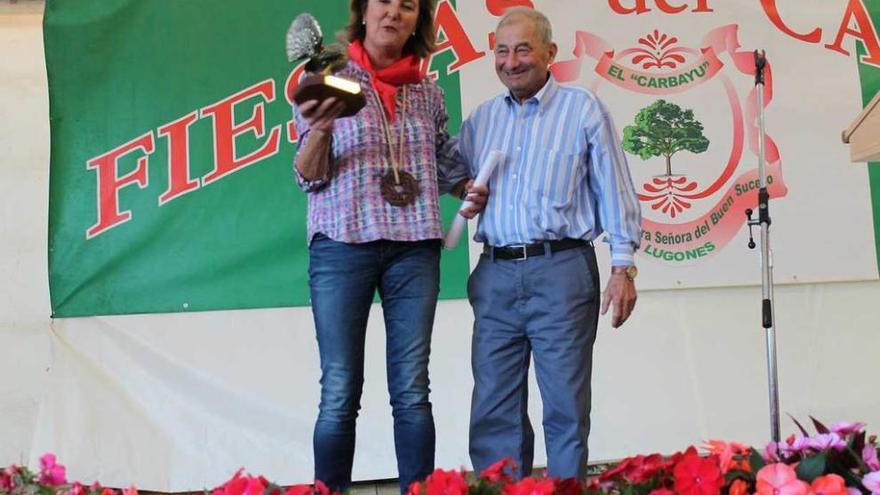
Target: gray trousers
547	307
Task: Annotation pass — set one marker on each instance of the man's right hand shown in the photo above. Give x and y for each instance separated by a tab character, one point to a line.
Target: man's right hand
478	196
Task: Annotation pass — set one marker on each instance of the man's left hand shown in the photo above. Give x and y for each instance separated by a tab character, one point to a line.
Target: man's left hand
620	293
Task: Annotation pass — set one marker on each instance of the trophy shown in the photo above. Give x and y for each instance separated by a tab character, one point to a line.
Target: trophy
305	41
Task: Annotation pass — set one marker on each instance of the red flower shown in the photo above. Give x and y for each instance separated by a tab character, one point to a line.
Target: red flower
256	485
697	476
661	491
568	486
322	489
235	485
645	468
529	486
830	484
299	490
738	487
442	482
497	473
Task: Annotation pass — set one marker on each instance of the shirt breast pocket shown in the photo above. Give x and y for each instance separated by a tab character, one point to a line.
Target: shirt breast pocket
559	174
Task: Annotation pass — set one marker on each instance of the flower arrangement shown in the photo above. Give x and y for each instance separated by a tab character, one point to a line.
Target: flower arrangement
840	460
837	460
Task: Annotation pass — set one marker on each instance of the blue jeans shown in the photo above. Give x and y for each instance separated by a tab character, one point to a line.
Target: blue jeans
546	307
343	279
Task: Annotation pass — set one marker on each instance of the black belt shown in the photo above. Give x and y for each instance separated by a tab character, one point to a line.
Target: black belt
523	251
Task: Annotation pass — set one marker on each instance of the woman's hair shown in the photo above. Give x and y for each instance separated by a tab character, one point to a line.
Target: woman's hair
421	44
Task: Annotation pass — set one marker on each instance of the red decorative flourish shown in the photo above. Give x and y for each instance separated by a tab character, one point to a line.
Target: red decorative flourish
666	194
660	53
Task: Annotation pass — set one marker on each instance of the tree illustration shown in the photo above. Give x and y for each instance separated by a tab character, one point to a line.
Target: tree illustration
664	129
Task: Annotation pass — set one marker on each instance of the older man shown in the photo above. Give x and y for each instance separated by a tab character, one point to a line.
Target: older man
535	291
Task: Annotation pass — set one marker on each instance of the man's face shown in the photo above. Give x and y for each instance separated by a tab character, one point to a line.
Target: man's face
522	60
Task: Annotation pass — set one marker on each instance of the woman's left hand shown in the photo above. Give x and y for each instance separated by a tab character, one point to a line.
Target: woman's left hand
478	196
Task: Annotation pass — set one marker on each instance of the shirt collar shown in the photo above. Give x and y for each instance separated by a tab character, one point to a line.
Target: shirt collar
541	98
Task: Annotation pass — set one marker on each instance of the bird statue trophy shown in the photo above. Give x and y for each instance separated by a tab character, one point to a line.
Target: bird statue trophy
305	41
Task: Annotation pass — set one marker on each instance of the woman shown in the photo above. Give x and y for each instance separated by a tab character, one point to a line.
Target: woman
373	182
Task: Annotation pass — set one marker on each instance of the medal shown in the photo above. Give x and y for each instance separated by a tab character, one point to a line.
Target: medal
399	187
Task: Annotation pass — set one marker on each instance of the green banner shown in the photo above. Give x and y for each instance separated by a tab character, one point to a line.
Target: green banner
870	77
171	185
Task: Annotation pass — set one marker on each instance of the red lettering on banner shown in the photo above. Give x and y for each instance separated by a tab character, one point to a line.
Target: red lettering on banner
703	6
225	131
497	7
855	11
773	13
641	7
289	88
669	9
109	182
179	182
457	40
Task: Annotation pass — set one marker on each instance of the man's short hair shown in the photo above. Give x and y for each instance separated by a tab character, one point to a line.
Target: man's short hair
540	21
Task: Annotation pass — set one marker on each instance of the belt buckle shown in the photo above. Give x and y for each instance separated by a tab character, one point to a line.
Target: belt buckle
525	253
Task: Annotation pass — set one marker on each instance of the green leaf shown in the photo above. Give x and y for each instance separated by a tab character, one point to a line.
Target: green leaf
812	467
756	461
819	426
800	427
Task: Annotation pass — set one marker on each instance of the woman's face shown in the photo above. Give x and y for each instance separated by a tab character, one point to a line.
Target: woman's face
390	23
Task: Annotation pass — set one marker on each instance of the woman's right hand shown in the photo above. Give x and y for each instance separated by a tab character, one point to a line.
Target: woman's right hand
321	115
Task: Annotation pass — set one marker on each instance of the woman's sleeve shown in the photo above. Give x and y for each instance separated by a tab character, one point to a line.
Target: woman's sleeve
451	167
302	132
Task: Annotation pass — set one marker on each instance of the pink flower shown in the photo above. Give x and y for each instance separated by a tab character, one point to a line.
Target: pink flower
7	478
830	484
728	452
794	445
871	481
845	428
771	452
869	455
780	479
130	491
827	441
77	489
51	474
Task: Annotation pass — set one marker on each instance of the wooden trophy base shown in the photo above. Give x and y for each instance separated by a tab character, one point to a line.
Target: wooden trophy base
320	87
